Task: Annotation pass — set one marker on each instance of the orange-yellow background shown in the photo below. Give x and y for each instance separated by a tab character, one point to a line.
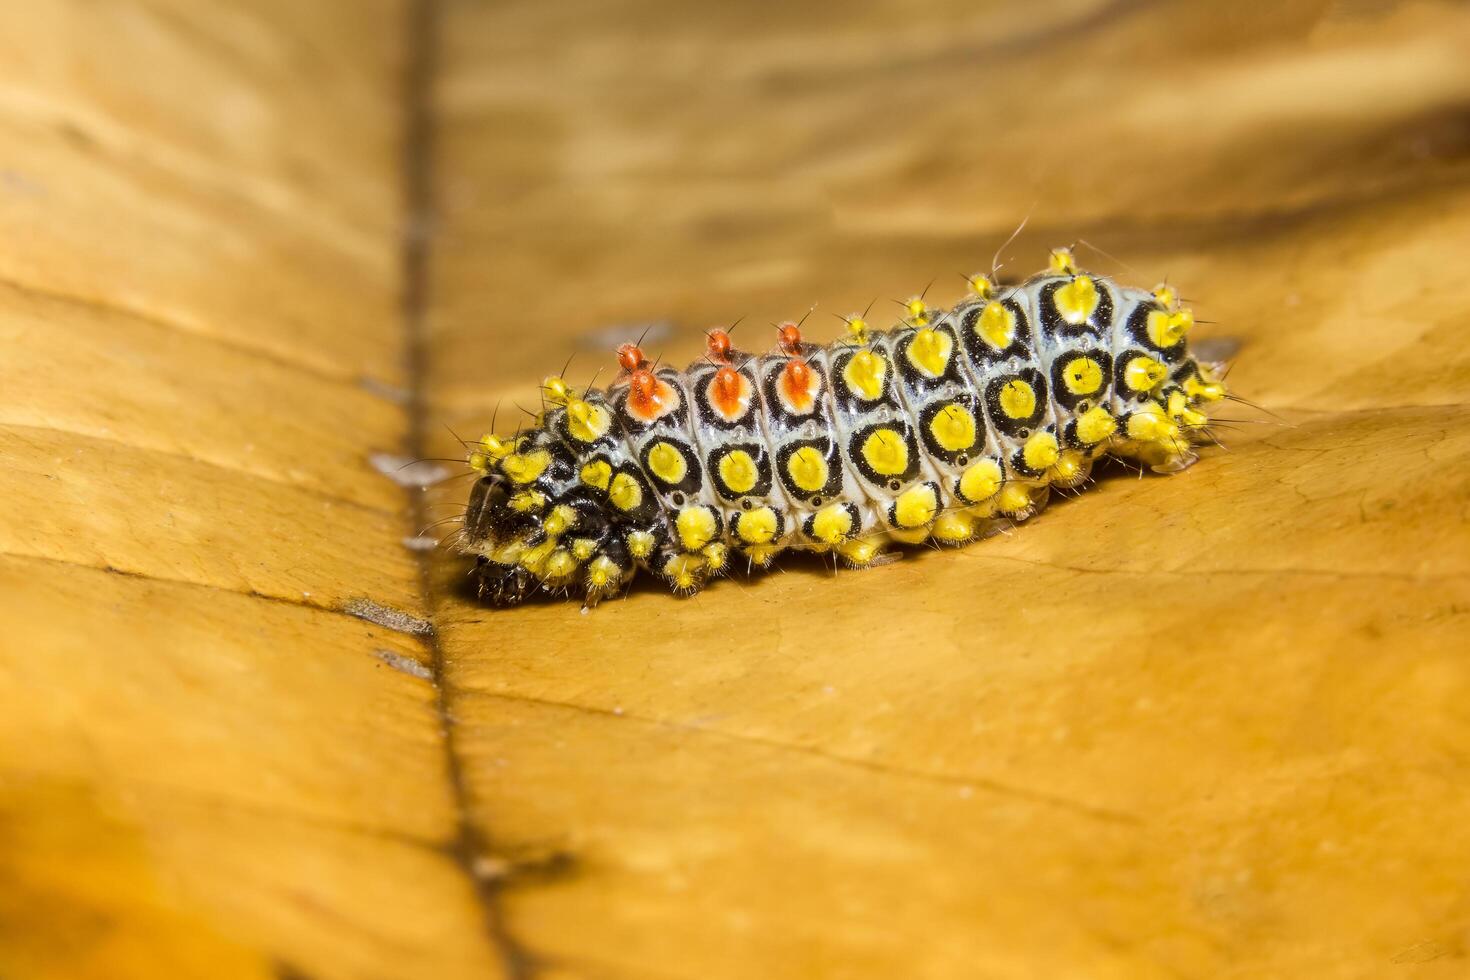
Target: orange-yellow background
1208	725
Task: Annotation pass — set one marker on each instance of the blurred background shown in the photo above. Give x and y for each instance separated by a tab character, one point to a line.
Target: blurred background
762	158
257	258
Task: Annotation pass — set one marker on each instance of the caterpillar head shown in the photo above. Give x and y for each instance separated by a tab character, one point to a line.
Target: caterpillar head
505	524
542	516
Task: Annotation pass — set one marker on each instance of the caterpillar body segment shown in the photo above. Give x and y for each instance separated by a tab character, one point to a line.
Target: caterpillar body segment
944	428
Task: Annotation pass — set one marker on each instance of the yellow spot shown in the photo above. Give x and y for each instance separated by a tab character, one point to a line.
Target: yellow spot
857	329
587	422
858	551
624	492
527	501
953	528
640	544
716	554
696	526
667	463
1143	373
1178	404
555	390
1167	329
534	559
981	286
953	427
1017	399
526	467
510	552
1082	375
762	554
929	351
597	474
496	447
1077	300
603	572
1182	413
831	524
980	481
908	535
808	469
560	518
864	374
1165	295
996	326
1040	451
738	471
886	452
682	570
560	564
918	313
1158	329
583	548
756	526
1062	262
1150	424
1203	391
916	506
1095	425
1014	497
479	462
1068	466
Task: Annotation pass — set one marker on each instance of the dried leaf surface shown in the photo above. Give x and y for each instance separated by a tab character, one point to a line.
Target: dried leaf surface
207	767
1205	725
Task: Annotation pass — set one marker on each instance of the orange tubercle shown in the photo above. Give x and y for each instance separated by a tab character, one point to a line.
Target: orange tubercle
643	386
630	357
648	396
789	336
796	384
717	343
729	392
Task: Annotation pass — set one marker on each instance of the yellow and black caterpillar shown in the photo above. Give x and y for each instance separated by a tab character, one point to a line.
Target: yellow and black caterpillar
944	428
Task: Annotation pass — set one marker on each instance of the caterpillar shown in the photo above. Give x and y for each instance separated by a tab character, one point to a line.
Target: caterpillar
946	428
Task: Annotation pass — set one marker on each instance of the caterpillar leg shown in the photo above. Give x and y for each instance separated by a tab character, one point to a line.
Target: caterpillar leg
858	553
502	585
761	555
759	534
912	514
1020	500
686	572
953	527
606	576
1072	469
961	526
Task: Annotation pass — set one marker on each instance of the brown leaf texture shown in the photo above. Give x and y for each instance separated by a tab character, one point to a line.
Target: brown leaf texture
255	255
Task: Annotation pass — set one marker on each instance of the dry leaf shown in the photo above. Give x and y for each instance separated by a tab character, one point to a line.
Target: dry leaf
1204	725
